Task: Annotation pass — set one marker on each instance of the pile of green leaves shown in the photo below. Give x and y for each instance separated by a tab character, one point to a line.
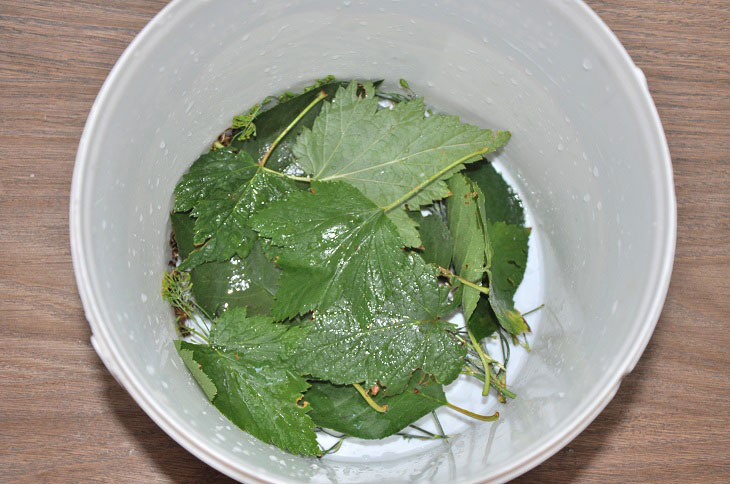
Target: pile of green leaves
327	246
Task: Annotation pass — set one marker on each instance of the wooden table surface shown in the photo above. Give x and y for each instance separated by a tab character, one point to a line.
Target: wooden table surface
64	418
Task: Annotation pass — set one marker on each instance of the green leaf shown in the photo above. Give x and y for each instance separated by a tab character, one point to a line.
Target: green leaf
386	153
507	257
257	391
245	123
465	222
507	247
256	336
205	383
183	229
249	282
501	202
271	122
222	189
334	243
384	345
379	308
342	408
509	260
483	322
436	239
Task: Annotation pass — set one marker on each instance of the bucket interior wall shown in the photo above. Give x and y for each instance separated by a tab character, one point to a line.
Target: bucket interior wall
578	155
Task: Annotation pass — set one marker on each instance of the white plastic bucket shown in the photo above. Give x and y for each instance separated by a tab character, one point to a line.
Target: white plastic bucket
588	155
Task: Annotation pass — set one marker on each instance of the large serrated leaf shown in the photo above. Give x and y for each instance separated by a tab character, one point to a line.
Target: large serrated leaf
333	243
256	336
386	341
379	308
465	208
342	408
257	391
222	189
386	153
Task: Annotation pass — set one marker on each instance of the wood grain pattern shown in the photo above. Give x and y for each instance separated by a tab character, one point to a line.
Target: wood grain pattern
64	418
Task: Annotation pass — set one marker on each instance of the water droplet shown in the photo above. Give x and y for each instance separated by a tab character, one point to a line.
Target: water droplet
485	40
595	171
347	3
587	64
586	198
599	206
143	297
162	69
561	147
162	145
490	100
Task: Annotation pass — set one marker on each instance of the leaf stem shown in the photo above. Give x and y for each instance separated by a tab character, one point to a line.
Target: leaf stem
286	175
419	437
278	139
533	310
504	344
438	424
433	178
325	431
335	447
493	383
485	362
201	310
430	434
483	418
466	282
195	332
369	399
